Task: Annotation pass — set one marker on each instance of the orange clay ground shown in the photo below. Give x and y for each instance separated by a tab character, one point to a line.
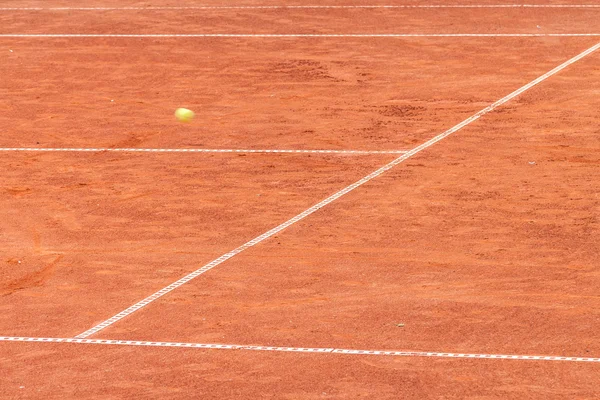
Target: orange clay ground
487	242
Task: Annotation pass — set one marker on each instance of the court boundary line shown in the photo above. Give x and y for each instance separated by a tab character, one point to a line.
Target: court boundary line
135	307
318	350
193	150
287	35
292	7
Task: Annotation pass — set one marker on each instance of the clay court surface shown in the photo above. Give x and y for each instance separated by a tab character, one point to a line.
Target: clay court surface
472	260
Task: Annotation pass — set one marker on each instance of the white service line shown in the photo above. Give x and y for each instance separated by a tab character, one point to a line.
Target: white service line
327	350
138	150
331	198
158	8
285	35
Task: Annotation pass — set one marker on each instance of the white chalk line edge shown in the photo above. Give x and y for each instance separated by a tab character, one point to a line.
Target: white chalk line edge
192	150
320	350
278	7
331	198
286	35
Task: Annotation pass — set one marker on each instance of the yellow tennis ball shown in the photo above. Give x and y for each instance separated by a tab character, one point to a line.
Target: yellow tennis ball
184	115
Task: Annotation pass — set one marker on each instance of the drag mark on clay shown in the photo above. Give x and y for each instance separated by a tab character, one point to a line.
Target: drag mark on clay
34	279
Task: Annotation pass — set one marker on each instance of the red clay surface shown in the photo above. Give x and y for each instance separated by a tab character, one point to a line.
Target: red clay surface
469	245
373	94
84	234
412	20
483	243
76	371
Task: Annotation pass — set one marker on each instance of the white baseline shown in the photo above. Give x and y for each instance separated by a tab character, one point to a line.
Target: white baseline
156	8
286	35
192	150
130	310
328	350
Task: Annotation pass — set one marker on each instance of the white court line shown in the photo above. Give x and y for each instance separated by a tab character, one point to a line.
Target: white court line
331	198
285	35
138	150
327	350
149	8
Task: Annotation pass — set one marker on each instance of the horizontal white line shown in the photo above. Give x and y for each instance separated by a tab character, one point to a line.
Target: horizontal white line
137	150
284	35
328	350
300	7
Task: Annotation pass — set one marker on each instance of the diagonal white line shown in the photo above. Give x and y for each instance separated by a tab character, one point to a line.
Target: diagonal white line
331	198
327	350
140	150
285	35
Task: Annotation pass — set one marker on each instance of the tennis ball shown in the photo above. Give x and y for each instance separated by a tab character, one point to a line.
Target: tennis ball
184	115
